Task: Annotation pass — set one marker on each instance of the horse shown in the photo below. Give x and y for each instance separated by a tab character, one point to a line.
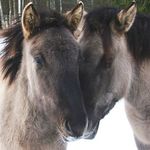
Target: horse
115	64
40	94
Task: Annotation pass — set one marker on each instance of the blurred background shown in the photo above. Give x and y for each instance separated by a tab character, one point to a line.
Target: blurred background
11	9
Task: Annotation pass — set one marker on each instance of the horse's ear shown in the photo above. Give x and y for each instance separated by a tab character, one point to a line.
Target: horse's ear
30	20
125	18
75	15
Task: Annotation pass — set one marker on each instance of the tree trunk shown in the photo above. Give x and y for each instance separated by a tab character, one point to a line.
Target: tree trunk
10	11
2	22
60	4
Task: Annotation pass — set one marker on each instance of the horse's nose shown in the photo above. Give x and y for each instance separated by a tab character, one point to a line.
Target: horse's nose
76	129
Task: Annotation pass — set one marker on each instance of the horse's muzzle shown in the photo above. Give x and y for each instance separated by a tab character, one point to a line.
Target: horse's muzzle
75	130
91	133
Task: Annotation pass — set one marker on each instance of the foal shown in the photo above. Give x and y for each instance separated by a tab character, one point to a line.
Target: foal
115	63
40	97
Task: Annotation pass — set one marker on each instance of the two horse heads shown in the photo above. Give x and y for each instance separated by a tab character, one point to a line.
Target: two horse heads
115	63
42	100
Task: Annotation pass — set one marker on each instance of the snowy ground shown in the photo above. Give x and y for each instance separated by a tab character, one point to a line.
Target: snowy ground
114	133
2	45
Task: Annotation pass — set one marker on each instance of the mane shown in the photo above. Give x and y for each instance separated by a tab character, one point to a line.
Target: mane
13	40
138	37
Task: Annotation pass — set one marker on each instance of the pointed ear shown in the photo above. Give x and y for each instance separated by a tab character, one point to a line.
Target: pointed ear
125	18
30	20
75	15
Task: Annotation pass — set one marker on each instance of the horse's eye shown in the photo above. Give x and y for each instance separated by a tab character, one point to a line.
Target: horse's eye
107	62
39	59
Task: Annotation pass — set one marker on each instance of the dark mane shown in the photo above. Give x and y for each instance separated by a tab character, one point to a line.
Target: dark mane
12	52
138	37
99	18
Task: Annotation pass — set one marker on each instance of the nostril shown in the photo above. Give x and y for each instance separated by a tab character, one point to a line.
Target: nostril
68	126
74	129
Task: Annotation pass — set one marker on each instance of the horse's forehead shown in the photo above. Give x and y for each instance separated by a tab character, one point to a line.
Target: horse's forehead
100	39
53	35
54	40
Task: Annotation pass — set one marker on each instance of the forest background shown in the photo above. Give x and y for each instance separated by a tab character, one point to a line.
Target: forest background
10	10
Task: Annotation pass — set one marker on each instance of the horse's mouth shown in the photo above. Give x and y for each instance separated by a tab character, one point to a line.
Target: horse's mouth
67	137
102	110
70	138
94	119
91	131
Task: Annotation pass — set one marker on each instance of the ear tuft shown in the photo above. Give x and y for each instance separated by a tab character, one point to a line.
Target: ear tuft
125	18
30	20
75	15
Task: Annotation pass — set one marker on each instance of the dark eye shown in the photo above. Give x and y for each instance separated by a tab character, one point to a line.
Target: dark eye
39	59
107	62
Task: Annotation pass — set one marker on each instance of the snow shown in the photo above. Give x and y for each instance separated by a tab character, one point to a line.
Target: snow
2	45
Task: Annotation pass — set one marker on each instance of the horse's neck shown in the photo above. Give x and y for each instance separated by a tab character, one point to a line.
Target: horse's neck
138	103
16	123
139	93
54	146
8	116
